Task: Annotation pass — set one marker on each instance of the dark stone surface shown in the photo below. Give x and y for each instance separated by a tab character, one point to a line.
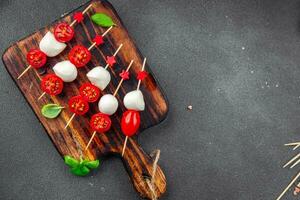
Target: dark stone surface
236	62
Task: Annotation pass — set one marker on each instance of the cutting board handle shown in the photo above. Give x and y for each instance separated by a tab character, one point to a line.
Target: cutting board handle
139	166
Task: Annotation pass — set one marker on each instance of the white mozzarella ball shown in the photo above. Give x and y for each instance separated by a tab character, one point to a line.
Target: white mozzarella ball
134	100
99	77
108	104
66	71
50	46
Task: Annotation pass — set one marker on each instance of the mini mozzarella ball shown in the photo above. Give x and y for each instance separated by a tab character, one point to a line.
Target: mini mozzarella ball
99	77
50	46
134	100
66	71
108	104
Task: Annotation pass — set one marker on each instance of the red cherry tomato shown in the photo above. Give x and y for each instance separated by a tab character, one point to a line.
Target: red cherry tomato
89	92
130	122
36	58
63	32
52	84
78	105
100	122
79	56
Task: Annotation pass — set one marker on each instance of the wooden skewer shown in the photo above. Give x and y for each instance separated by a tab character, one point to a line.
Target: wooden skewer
83	12
296	163
138	87
104	34
121	81
292	160
124	146
296	147
28	68
292	144
296	144
37	74
143	67
70	120
288	187
94	44
43	94
87	146
116	52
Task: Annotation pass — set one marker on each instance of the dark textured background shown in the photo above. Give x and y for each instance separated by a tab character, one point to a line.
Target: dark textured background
236	62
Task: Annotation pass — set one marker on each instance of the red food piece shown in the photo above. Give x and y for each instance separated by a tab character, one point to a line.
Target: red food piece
52	84
110	60
78	105
100	122
78	17
141	75
63	32
124	75
130	122
79	56
98	40
89	92
36	58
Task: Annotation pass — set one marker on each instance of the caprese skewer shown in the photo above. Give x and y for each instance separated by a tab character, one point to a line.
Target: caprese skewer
79	56
53	44
134	102
108	105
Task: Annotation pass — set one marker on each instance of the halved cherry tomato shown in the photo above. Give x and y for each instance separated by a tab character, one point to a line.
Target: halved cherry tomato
130	122
100	122
63	32
79	56
52	84
36	58
78	105
89	92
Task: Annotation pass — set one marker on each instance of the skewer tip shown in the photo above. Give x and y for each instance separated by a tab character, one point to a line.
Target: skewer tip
25	70
124	146
68	123
40	97
90	141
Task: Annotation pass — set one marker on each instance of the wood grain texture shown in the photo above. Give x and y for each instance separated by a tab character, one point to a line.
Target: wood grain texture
73	140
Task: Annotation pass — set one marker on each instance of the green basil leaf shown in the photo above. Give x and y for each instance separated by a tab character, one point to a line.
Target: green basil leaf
80	171
84	170
80	167
71	162
102	20
51	110
93	164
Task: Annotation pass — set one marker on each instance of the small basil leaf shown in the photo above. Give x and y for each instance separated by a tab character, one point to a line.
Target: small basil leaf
102	20
84	170
80	171
83	162
92	164
51	110
71	162
77	171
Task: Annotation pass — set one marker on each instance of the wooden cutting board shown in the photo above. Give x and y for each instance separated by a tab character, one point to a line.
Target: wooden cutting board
73	140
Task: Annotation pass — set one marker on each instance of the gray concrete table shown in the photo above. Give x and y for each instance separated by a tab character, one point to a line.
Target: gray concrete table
236	62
